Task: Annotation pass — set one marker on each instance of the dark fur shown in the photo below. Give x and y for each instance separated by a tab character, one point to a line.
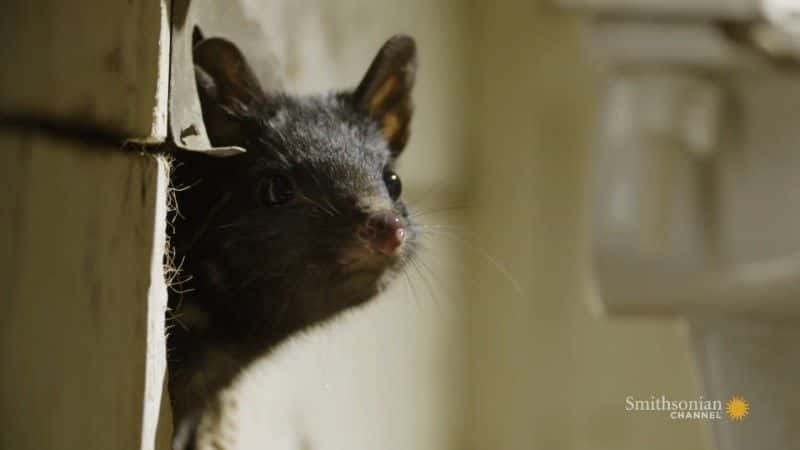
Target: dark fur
256	274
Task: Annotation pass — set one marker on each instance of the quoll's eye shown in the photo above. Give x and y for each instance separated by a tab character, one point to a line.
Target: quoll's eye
393	184
276	190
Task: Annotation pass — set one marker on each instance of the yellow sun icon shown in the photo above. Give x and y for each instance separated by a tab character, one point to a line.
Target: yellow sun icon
737	408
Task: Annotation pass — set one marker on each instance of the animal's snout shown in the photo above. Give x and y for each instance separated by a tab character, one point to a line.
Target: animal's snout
383	232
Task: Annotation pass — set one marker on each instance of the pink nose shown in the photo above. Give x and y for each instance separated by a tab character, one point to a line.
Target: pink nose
384	233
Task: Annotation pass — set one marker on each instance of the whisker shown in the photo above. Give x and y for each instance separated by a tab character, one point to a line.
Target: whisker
409	280
418	266
417	212
477	251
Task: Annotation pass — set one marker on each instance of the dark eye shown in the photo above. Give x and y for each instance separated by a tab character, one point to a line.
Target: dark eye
276	190
393	184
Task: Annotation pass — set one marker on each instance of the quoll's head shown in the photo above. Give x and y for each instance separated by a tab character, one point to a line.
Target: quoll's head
310	220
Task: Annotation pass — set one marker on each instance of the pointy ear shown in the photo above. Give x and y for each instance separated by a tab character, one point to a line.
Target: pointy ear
227	87
385	91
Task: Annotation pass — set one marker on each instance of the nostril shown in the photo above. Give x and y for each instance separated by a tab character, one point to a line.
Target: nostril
384	233
367	231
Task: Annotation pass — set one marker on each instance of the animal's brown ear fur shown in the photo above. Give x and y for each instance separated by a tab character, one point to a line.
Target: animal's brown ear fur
385	91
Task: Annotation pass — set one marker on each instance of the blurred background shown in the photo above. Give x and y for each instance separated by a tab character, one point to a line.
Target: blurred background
609	196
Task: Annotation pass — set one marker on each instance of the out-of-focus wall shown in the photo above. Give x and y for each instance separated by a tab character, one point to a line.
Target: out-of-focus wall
544	372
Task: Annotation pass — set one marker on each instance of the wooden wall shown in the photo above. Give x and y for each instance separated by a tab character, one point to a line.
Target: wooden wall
81	223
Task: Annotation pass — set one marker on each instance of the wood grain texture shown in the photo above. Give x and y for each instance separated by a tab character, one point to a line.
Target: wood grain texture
102	63
76	246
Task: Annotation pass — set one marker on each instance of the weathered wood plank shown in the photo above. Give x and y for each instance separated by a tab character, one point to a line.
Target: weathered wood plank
101	63
76	252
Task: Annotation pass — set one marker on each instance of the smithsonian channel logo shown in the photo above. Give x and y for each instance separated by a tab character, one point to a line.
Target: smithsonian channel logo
736	408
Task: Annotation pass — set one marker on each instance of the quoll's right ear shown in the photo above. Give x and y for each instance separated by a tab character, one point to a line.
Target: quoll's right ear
227	87
385	91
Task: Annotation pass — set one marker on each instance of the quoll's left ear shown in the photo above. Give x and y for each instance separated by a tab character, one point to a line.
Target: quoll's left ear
385	91
229	90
